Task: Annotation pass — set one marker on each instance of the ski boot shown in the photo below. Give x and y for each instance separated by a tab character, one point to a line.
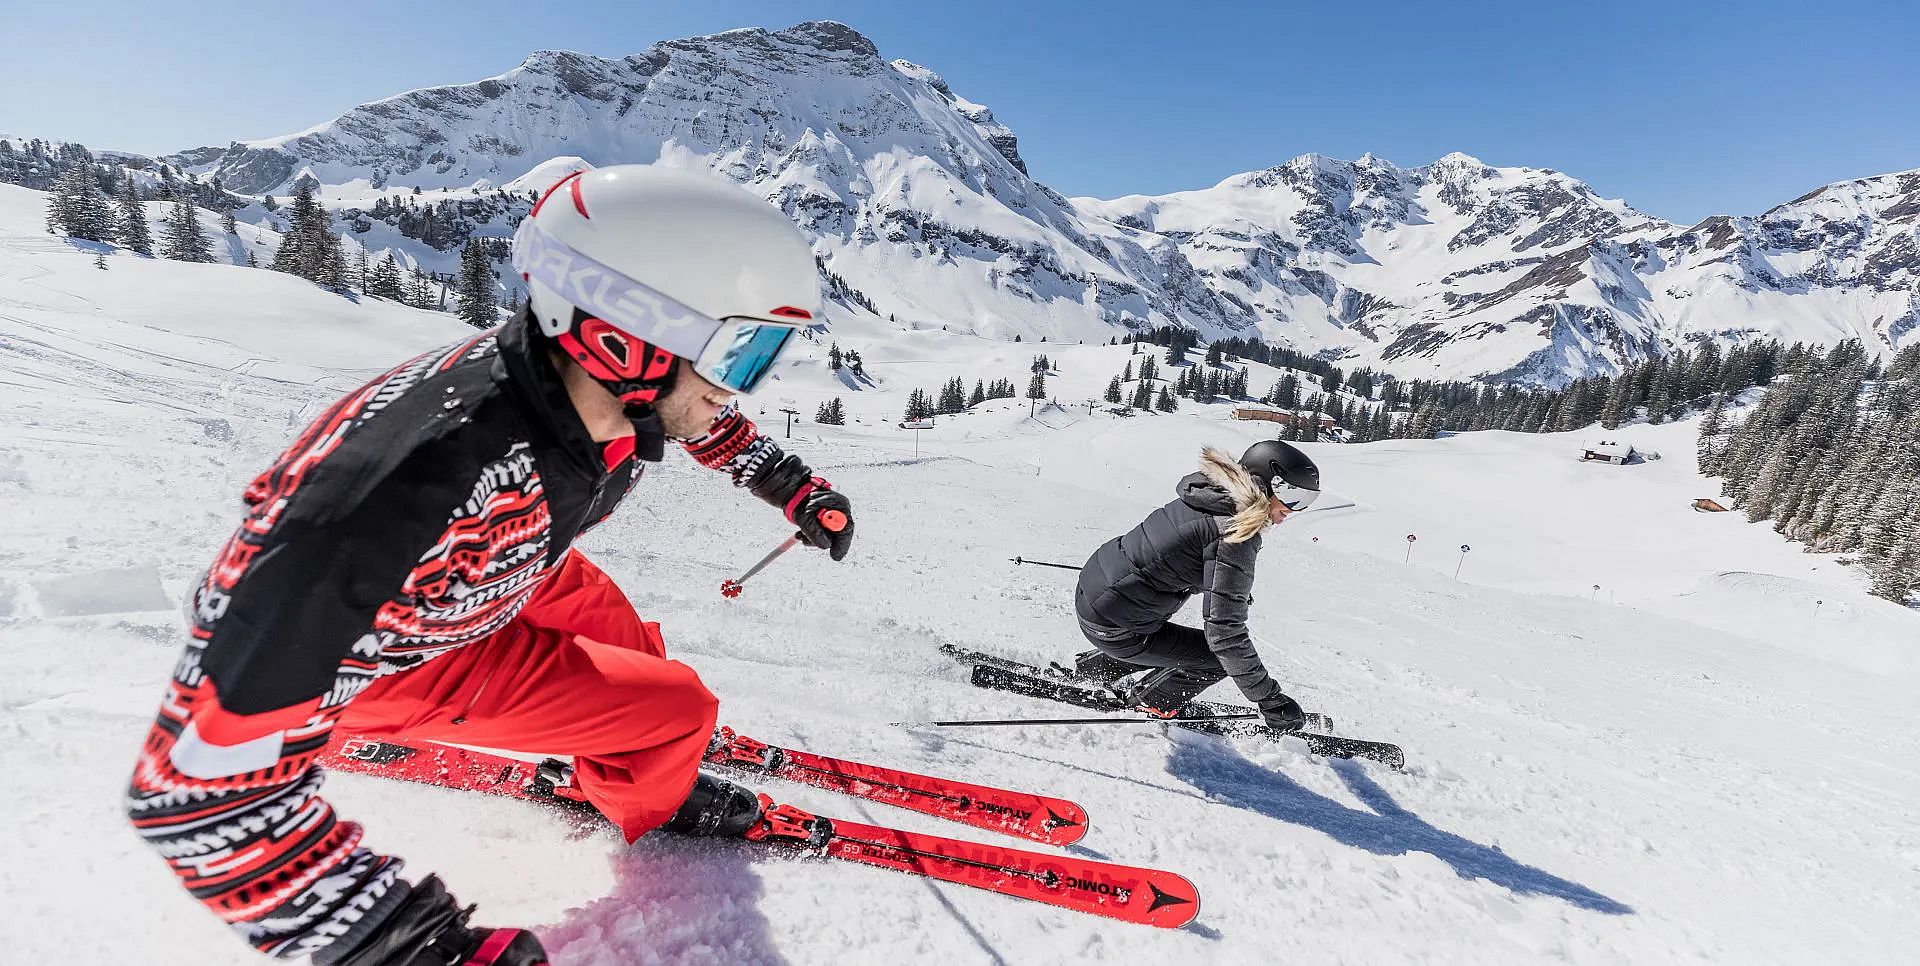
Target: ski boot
1102	672
716	808
1164	692
1099	666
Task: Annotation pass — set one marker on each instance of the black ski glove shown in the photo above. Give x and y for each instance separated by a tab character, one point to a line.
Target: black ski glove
429	929
1282	713
824	515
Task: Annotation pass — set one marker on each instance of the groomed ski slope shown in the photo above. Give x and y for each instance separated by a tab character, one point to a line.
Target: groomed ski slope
1704	770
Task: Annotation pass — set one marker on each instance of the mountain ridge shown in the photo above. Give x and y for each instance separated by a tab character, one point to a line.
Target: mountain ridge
920	202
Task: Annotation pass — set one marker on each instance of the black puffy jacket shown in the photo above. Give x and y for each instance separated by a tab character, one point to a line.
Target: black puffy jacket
1135	583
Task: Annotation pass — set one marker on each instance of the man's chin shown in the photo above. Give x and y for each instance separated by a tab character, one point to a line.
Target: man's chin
684	425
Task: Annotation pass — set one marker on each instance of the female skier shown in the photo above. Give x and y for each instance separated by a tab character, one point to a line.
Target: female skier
1206	541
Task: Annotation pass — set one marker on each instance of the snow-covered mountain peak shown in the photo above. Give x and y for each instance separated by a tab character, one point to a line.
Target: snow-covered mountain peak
922	210
1460	161
923	74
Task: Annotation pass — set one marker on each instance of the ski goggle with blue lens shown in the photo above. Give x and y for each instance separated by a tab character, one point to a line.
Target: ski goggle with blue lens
742	352
734	353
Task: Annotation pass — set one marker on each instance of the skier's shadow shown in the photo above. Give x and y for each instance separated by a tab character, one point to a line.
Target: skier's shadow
1388	829
673	901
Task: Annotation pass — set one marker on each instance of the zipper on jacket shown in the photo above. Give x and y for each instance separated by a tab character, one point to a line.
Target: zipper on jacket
461	718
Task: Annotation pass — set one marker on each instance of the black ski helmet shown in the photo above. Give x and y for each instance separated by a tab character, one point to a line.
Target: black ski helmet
1285	473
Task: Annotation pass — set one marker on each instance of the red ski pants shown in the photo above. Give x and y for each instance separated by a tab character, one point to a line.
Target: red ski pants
578	674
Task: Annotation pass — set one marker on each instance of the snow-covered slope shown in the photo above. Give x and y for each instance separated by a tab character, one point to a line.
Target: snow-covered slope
1703	769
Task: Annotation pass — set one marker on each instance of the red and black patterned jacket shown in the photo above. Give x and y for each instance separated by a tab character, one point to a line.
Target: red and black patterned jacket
414	516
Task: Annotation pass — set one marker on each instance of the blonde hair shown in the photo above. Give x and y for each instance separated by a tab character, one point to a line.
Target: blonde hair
1251	504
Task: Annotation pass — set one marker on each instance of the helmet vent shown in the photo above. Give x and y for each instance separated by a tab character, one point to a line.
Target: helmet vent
579	203
573	179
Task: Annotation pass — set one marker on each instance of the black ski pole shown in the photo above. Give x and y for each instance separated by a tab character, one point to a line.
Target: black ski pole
1041	563
1009	722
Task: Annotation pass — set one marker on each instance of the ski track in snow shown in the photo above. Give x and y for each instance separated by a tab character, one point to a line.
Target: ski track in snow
1711	774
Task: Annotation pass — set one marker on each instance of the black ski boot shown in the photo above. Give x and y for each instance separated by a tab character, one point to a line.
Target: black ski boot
716	808
1099	666
1165	692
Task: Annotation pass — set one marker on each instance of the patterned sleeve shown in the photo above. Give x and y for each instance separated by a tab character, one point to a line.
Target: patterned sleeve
734	445
283	636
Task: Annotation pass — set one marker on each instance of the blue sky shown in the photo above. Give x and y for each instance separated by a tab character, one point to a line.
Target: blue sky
1684	109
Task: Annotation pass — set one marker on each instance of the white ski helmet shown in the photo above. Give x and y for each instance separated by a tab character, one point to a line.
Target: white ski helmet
630	266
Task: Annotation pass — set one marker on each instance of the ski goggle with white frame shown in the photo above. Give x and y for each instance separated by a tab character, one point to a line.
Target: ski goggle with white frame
735	353
1295	498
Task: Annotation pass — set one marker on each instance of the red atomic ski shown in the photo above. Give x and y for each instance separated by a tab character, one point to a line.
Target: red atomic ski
459	768
1054	821
1149	897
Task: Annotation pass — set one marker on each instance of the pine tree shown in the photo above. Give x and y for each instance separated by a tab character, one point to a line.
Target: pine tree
1113	390
1143	395
1890	543
979	394
362	271
100	260
1037	386
1711	426
384	281
1659	402
185	241
1760	499
477	307
132	224
252	262
830	413
1895	577
1615	409
1166	403
228	224
309	248
330	258
77	209
952	397
1127	374
1422	427
418	291
919	405
833	357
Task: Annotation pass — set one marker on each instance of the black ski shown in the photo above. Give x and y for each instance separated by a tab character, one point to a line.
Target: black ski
1089	696
1023	680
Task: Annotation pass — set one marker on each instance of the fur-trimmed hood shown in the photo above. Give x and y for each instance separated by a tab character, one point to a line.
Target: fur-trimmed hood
1224	488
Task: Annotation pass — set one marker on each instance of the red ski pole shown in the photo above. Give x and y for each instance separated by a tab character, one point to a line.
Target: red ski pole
832	519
